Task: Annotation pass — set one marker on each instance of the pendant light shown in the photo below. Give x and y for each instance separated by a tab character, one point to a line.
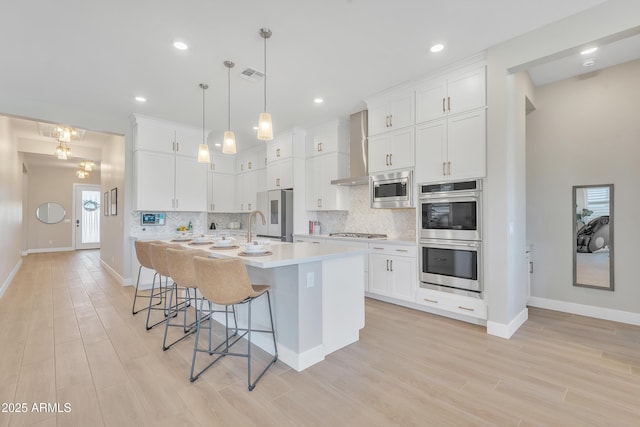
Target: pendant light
265	127
229	139
203	149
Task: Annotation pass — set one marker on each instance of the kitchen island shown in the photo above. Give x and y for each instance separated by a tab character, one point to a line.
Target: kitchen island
317	298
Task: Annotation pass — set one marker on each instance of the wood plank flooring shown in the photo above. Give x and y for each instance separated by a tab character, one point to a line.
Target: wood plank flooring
67	336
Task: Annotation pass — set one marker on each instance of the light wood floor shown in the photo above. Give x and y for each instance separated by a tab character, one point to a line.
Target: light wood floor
67	335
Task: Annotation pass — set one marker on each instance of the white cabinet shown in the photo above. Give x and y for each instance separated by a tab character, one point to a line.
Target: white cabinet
223	163
252	159
248	185
457	93
331	137
280	175
169	182
286	145
452	148
167	175
391	111
393	150
392	271
321	194
221	192
310	239
459	304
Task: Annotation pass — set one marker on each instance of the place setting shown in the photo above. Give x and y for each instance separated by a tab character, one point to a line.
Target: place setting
201	240
224	242
255	248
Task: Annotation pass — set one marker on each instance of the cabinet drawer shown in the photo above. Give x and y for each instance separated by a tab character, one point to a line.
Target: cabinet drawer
467	306
395	250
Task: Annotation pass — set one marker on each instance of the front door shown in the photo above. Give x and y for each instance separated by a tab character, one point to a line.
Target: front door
87	212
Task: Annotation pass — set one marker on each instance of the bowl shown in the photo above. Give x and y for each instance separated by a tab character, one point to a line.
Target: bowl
202	239
224	242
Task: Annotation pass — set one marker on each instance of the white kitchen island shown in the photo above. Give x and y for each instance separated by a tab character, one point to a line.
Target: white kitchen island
317	295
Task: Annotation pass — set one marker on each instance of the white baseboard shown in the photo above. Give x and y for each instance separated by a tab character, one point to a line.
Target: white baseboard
114	273
24	253
13	273
507	330
586	310
44	250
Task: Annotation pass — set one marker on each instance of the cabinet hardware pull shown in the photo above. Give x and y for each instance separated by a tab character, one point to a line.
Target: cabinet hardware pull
177	146
242	166
316	243
378	248
402	250
386	121
249	165
391	120
387	265
431	300
277	152
319	202
386	161
466	308
443	170
249	206
391	159
443	109
277	182
449	168
391	263
449	103
177	203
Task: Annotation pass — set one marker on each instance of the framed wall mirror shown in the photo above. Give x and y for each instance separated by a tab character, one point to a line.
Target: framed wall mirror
50	213
593	236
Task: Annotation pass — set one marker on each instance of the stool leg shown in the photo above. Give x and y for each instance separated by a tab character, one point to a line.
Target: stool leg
275	348
135	295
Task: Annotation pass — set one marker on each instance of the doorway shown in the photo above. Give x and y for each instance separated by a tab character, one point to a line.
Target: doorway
86	216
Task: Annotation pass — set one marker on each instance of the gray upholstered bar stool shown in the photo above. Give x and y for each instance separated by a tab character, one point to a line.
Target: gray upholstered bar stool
183	273
158	253
226	282
143	253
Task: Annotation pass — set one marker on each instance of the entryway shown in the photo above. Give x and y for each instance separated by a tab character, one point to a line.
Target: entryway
86	216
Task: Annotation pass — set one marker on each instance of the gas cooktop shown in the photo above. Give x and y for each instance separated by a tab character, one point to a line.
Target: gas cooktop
359	235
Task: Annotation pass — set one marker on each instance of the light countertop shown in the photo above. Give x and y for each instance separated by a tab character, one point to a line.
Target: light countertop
356	239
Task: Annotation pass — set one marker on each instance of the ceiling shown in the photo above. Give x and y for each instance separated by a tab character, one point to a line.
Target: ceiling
97	56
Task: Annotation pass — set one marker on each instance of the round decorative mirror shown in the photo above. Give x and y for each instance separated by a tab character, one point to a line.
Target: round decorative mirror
50	213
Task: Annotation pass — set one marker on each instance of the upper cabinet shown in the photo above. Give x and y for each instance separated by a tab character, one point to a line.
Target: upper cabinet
391	111
221	183
167	175
457	93
394	150
252	159
284	152
331	137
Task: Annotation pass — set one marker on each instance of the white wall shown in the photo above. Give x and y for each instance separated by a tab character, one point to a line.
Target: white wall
11	181
503	225
585	131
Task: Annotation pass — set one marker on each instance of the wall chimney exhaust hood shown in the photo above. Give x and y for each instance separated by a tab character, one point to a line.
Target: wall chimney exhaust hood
358	151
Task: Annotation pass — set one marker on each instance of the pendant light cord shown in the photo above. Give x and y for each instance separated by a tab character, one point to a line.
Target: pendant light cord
265	74
228	98
204	87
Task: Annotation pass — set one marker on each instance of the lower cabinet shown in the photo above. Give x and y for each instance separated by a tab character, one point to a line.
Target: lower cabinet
392	271
459	304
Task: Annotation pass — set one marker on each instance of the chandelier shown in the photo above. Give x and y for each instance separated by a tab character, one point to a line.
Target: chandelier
84	168
64	135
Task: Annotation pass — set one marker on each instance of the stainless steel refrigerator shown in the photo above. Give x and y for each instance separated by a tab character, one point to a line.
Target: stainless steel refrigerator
277	207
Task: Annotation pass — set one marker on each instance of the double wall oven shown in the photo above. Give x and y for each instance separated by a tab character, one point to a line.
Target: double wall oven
451	237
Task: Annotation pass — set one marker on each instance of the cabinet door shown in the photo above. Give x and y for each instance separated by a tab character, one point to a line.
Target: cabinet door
280	175
280	148
250	190
313	175
431	151
378	118
431	100
191	185
403	278
402	110
467	91
155	136
240	196
467	145
188	140
379	153
222	191
223	164
379	274
401	148
333	197
154	181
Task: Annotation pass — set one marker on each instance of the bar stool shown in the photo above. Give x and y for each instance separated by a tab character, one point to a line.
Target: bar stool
144	259
226	282
158	252
181	269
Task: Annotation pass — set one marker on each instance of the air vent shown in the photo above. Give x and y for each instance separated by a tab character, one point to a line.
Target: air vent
251	74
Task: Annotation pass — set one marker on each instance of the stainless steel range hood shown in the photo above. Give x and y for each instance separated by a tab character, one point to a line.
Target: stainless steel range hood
358	151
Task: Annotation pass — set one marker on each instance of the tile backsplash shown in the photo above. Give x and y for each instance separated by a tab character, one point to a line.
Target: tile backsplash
361	218
201	221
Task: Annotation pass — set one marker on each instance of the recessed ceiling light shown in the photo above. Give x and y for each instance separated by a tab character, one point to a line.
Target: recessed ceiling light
217	144
180	45
318	100
588	51
255	128
589	63
141	99
438	47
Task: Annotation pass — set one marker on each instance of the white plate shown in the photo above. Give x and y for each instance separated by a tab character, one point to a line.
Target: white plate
225	242
255	251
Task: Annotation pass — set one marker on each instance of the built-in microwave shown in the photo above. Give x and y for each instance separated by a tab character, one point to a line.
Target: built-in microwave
391	190
452	266
451	210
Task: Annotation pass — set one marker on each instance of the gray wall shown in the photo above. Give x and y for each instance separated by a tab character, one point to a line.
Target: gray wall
585	130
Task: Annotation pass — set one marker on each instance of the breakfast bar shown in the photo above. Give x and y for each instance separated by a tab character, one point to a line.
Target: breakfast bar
317	297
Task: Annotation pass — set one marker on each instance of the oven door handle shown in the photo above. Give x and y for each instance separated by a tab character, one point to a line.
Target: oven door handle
443	197
449	244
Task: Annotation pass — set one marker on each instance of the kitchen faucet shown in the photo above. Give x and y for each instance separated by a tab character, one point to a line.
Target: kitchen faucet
251	215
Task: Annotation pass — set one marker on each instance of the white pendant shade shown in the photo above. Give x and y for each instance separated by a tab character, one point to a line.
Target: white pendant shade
265	128
229	143
203	154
